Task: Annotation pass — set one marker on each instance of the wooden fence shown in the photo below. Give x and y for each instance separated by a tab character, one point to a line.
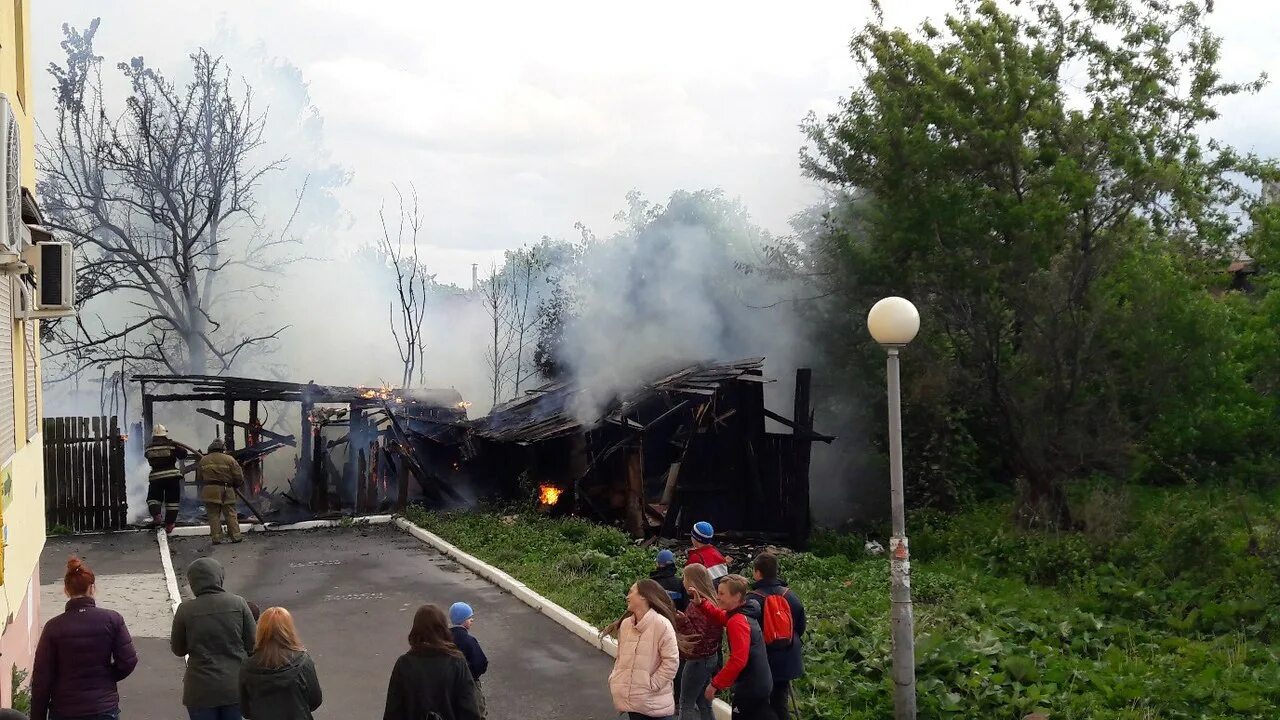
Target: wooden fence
84	485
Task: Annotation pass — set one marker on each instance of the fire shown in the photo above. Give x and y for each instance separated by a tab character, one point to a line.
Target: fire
464	405
549	494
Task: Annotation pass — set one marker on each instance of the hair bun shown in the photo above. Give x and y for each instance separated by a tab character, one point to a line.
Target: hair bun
75	565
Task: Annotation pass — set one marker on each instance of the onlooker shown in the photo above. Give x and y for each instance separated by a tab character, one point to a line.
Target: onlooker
667	577
215	631
81	655
460	618
164	483
279	682
705	554
786	659
642	681
432	677
747	670
701	662
218	475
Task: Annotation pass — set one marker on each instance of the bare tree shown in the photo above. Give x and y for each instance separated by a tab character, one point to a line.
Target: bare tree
524	267
159	200
495	293
412	284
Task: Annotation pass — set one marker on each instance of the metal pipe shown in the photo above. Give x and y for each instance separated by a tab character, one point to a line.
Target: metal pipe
901	619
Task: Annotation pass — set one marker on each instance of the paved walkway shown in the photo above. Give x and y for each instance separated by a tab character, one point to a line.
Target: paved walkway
353	592
131	582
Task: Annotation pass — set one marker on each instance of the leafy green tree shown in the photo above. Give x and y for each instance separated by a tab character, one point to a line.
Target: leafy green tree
1019	166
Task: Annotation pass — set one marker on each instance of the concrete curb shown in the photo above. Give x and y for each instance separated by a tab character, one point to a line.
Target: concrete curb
528	596
170	578
202	530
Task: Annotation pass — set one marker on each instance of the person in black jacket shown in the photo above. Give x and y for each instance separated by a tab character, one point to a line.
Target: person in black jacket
433	676
460	619
785	664
669	579
278	681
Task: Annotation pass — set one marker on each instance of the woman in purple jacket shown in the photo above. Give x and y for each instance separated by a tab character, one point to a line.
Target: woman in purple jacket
82	654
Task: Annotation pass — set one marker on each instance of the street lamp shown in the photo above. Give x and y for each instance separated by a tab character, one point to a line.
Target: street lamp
893	323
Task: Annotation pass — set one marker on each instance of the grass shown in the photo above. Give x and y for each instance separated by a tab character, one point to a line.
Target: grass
1160	608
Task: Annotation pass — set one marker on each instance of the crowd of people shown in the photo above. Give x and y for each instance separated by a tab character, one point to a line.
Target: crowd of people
670	661
242	663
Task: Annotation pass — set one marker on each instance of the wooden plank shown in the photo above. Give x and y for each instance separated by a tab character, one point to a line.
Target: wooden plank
116	470
51	449
73	476
95	501
63	460
85	479
104	475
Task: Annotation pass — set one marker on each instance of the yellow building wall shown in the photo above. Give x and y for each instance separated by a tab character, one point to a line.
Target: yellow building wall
22	479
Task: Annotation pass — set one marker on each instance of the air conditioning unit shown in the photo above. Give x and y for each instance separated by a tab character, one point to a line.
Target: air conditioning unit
10	180
54	271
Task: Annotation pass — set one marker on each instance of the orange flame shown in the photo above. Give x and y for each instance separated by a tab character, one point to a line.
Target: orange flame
549	494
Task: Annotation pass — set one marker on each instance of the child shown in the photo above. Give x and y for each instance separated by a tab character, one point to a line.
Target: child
460	619
669	579
705	554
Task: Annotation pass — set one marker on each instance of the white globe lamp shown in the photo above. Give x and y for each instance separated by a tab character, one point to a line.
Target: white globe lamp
893	321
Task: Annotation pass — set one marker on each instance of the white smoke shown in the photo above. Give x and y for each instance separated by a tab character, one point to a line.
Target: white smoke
669	291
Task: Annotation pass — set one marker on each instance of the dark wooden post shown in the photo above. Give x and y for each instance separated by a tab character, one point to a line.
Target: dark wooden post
148	415
251	439
375	475
319	476
305	460
801	522
362	475
635	488
402	482
229	430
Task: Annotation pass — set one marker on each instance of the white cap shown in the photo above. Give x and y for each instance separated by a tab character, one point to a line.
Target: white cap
159	431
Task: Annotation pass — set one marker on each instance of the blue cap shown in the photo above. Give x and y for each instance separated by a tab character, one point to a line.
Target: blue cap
703	531
666	557
459	613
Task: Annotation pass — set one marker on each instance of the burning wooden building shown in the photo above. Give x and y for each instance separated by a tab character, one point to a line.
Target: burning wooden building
689	446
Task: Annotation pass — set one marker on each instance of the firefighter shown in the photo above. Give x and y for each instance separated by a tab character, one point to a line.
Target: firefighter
219	475
164	491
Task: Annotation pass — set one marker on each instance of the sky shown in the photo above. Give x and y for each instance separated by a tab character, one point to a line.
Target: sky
515	120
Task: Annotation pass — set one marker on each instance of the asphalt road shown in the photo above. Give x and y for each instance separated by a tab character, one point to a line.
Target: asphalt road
130	581
353	593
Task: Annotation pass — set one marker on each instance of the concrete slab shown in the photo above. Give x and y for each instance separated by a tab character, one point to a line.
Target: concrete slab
353	592
108	554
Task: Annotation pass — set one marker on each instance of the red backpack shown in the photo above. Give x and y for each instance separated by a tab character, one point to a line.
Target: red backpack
775	622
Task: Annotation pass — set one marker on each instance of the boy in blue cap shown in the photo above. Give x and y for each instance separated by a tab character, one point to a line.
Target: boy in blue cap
705	554
460	619
669	579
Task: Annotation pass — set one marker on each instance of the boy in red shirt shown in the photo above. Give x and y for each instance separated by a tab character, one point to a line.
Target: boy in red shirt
705	554
747	670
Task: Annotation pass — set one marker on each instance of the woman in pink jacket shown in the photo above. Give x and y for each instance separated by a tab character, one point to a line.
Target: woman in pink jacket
648	654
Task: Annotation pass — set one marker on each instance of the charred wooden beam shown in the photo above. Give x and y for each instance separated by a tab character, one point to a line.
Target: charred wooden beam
801	432
798	497
285	439
634	460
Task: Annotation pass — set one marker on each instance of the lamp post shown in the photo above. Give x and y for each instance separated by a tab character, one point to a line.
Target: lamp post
893	323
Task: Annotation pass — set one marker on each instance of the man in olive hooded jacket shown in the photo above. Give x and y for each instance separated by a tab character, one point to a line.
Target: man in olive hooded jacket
215	631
